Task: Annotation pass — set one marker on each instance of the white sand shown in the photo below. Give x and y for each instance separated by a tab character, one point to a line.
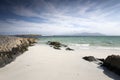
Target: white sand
42	62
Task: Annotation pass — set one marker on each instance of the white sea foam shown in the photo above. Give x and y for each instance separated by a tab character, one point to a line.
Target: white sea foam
79	46
85	45
88	46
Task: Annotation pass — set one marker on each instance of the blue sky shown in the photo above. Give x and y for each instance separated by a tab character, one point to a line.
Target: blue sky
60	17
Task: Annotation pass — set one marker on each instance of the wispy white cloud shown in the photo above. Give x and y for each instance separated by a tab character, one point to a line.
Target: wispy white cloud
87	17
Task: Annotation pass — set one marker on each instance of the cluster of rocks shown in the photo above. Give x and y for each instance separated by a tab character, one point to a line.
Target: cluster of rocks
58	45
112	62
11	47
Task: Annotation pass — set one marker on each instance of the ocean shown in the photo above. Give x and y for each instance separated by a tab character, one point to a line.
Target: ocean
106	42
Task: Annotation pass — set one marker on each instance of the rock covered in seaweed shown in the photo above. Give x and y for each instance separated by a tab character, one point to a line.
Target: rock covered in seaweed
58	45
54	43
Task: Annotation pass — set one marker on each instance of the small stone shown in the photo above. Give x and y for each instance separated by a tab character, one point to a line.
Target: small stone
90	58
69	49
56	48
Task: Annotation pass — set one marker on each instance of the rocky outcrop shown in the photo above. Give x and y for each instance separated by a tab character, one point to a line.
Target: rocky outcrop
112	62
11	47
29	35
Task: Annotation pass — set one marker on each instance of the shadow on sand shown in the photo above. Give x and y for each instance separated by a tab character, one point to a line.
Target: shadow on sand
109	73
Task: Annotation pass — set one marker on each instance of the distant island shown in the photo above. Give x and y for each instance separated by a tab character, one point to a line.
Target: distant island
89	34
84	34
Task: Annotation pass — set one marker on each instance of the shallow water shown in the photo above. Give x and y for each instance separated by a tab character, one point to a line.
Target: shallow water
85	42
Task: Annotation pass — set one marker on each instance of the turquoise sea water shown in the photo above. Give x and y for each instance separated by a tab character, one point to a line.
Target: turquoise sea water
106	41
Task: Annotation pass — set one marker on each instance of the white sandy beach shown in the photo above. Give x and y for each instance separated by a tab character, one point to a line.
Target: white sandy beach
42	62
